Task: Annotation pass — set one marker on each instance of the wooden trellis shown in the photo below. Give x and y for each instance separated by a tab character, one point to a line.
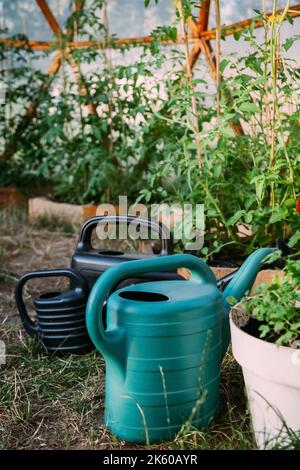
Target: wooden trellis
199	36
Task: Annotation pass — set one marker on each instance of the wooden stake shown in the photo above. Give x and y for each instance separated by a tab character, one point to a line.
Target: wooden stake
203	16
218	55
211	61
50	18
190	79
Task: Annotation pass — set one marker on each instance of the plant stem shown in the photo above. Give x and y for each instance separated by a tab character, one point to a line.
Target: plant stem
266	87
107	58
275	58
273	52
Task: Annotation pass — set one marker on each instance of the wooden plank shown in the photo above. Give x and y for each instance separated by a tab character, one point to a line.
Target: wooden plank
41	207
118	43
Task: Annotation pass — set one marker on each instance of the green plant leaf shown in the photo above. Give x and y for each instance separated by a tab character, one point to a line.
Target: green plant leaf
278	215
223	64
248	107
264	330
235	218
295	238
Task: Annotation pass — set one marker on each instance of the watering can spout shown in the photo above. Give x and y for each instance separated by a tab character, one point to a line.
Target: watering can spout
240	284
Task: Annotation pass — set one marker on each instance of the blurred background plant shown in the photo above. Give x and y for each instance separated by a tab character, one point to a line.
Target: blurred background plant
160	134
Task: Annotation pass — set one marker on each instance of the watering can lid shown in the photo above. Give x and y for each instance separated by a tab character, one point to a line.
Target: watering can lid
169	293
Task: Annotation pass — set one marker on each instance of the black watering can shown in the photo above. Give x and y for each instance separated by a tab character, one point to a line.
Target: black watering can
60	316
91	262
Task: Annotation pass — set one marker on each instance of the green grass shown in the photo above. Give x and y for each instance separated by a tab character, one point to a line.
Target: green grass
58	402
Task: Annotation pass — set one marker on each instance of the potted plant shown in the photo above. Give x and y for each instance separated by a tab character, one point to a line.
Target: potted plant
265	330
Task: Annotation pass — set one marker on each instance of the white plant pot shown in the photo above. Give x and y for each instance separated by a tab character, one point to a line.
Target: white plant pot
272	379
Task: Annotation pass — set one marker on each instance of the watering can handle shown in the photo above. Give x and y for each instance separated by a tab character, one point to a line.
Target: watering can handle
84	242
31	326
105	340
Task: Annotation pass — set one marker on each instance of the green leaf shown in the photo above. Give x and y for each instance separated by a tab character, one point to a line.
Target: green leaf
248	107
223	65
254	63
264	330
231	300
278	215
294	239
248	217
259	186
289	42
236	217
237	35
227	132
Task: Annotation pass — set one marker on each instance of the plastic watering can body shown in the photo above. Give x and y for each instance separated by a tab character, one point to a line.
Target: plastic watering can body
162	346
59	322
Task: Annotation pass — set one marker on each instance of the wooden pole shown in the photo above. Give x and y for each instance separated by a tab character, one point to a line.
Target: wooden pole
50	18
205	47
218	54
190	80
197	29
203	16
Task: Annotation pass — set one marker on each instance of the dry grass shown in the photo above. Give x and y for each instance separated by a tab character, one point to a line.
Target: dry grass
51	402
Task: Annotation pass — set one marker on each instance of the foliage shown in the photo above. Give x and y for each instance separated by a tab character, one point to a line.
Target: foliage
130	129
276	306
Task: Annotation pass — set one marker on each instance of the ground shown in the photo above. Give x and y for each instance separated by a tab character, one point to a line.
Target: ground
47	402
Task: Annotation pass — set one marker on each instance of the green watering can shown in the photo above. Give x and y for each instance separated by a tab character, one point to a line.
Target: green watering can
163	344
